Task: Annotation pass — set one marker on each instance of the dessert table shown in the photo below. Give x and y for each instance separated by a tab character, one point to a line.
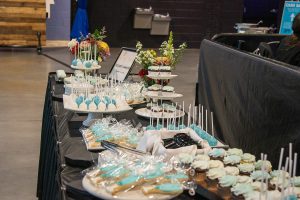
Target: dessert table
63	155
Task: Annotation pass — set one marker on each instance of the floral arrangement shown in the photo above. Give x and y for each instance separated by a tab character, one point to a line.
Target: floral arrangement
168	56
94	41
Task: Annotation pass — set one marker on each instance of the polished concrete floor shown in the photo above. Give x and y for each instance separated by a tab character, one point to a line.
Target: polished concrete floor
23	79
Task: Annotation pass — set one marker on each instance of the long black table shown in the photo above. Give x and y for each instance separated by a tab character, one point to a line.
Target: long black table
63	155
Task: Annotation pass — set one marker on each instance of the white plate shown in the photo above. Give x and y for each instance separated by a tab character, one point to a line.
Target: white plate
100	192
163	96
144	112
68	105
84	68
162	77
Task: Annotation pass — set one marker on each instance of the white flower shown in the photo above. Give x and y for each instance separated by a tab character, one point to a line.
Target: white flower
72	43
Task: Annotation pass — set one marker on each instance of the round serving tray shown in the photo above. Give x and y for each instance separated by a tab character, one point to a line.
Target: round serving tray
144	112
134	194
72	107
84	68
163	95
162	77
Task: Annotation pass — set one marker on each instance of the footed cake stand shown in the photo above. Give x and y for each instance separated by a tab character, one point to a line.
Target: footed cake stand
93	113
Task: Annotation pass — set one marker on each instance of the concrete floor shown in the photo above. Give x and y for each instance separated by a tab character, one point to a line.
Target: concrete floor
23	79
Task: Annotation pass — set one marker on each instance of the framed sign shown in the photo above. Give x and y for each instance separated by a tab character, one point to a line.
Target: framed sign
123	64
290	10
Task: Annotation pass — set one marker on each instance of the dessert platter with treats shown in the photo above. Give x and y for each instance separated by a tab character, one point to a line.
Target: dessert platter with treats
109	129
102	99
123	175
89	51
232	174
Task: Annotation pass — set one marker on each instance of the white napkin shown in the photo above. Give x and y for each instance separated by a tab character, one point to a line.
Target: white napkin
152	142
61	74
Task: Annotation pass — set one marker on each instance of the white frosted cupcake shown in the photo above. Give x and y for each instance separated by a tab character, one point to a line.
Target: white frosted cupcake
234	171
215	164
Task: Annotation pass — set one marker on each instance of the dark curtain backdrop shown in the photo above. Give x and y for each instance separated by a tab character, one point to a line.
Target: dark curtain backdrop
192	20
255	101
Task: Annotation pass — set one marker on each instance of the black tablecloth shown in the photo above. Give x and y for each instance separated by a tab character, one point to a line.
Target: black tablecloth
256	101
63	156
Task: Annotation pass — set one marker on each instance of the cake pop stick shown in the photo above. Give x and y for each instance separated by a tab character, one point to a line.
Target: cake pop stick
212	124
193	115
162	120
167	123
206	120
290	155
283	181
262	180
183	109
294	171
280	158
279	166
189	116
75	52
264	163
179	118
202	117
199	116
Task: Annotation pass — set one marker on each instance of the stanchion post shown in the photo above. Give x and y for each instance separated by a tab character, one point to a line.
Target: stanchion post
39	47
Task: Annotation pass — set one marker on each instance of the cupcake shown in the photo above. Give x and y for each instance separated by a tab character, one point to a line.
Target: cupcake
215	164
217	154
232	160
244	179
296	181
259	186
257	195
260	175
248	158
241	191
234	171
246	168
200	167
213	175
235	151
202	157
268	166
279	173
225	184
185	159
278	181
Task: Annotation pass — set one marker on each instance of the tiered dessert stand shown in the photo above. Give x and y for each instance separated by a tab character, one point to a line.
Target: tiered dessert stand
160	96
90	101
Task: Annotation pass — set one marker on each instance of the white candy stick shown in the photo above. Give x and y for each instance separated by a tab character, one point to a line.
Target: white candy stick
262	180
75	52
290	155
193	122
199	116
189	116
179	118
202	117
183	113
162	120
283	182
280	158
167	123
265	160
294	170
95	50
212	124
206	121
